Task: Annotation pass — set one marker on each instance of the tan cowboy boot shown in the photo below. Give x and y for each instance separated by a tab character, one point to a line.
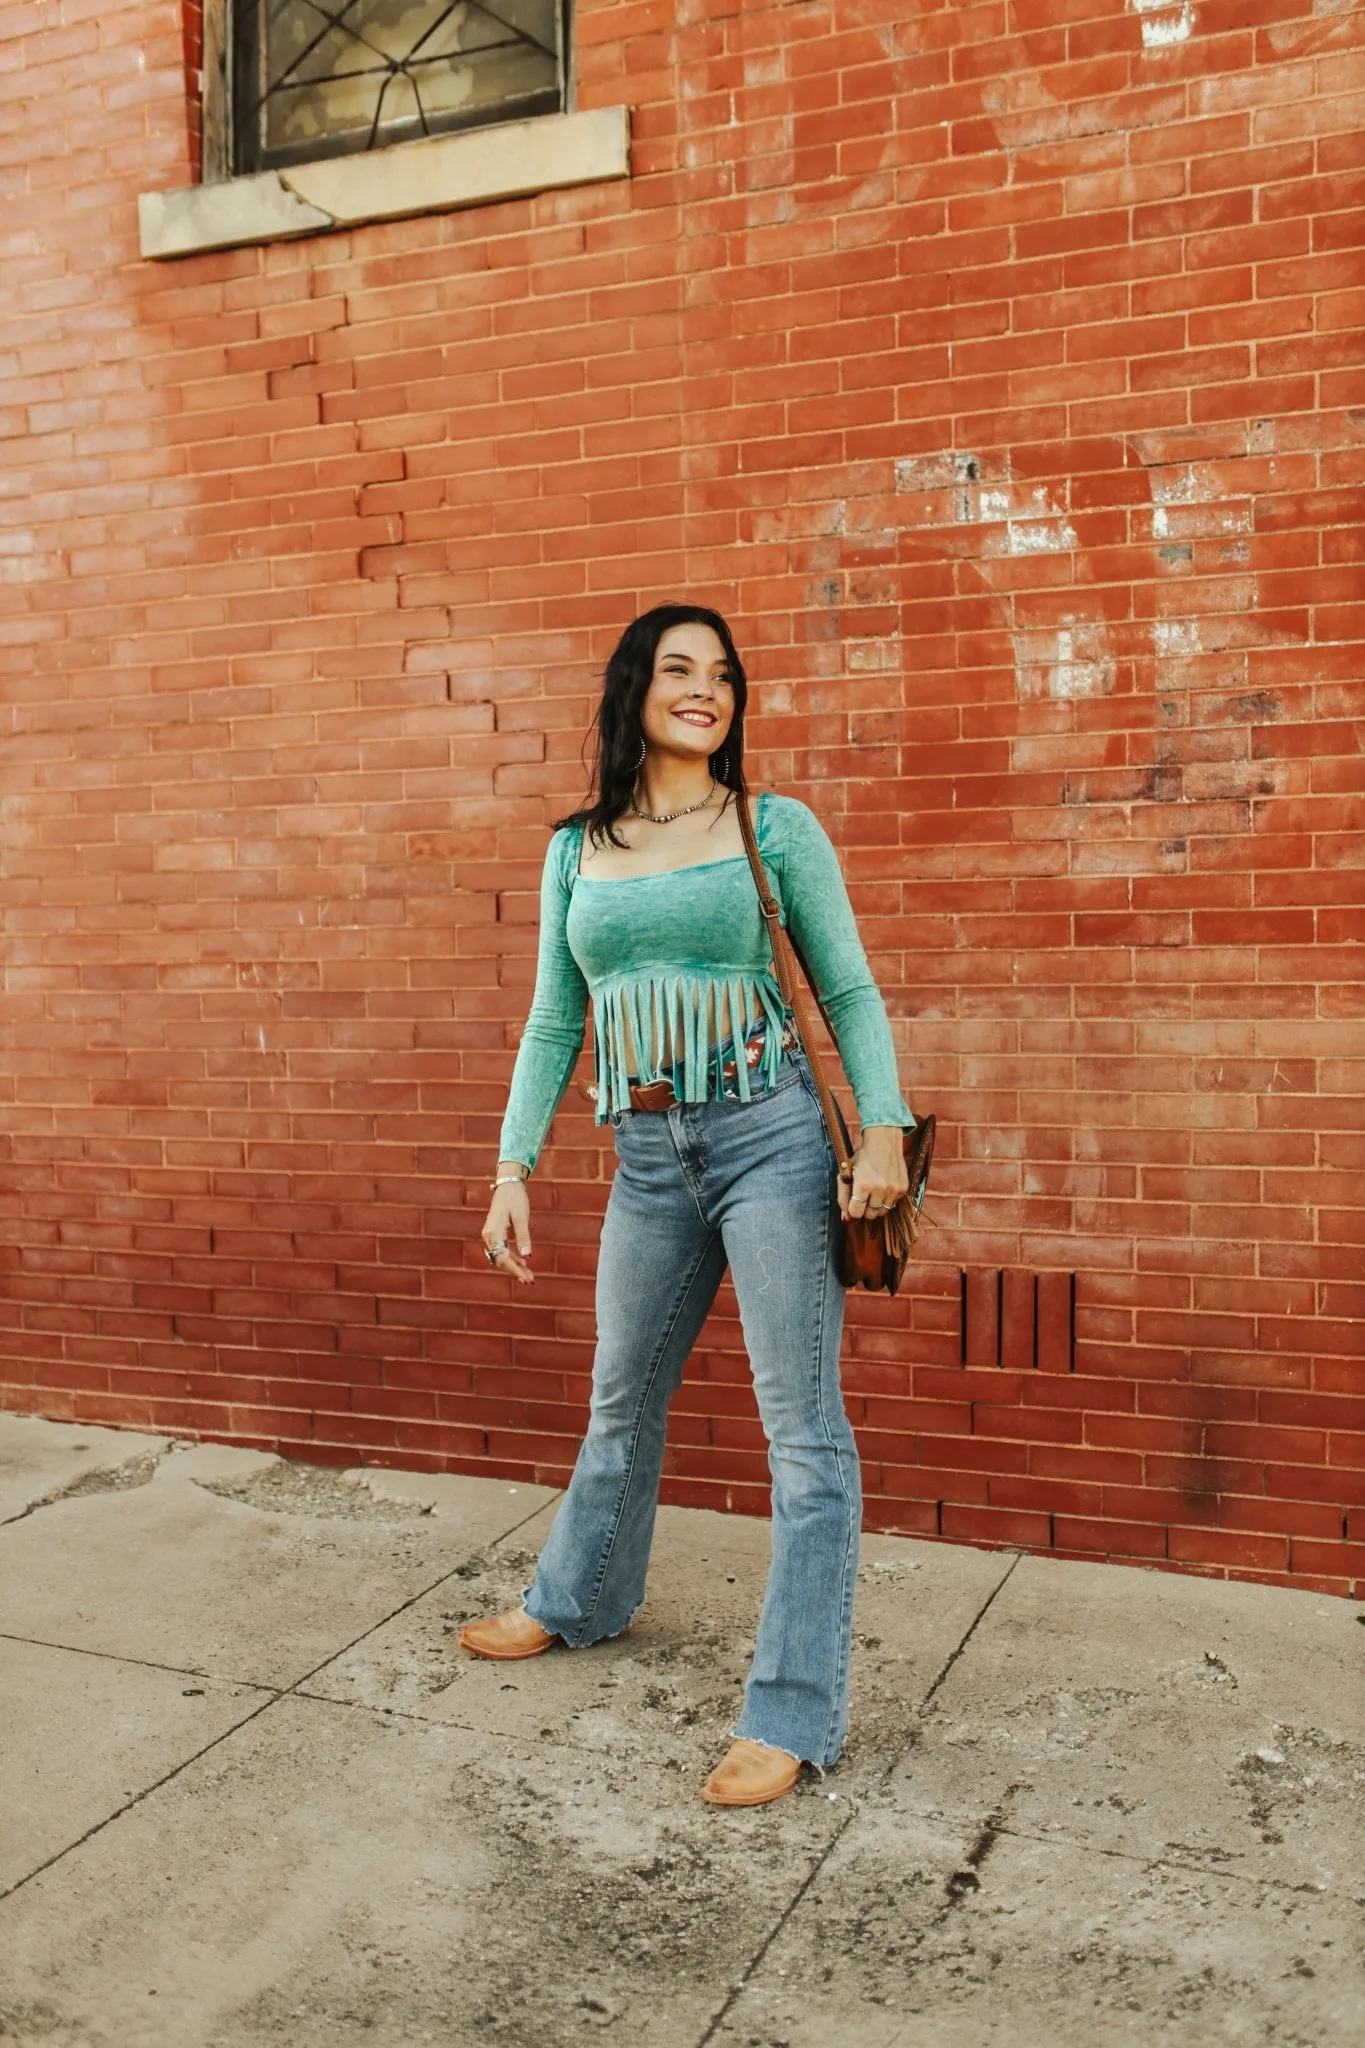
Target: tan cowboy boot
505	1637
750	1774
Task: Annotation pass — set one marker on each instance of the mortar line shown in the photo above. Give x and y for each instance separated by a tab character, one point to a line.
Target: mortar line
745	1977
282	1693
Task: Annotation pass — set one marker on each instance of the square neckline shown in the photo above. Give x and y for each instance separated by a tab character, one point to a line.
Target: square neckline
691	867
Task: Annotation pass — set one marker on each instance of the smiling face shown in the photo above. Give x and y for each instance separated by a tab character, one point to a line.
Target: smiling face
689	706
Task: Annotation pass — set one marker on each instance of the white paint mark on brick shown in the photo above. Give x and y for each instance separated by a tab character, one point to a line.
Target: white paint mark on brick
997	517
1174	484
925	472
1057	537
1163	21
23	561
989	505
1069	662
873	654
1028	522
769	67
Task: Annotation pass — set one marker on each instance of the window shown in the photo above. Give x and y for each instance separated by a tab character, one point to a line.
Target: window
323	114
318	78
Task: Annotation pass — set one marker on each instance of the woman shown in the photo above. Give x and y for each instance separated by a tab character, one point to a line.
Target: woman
648	905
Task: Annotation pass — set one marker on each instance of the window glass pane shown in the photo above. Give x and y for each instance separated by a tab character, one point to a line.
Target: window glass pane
329	75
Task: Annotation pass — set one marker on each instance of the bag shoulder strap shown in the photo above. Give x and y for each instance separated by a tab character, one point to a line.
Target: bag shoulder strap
789	981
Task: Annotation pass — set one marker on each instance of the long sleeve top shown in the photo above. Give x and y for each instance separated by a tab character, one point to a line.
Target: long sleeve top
668	959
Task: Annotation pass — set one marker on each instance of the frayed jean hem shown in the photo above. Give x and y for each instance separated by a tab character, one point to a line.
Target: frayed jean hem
605	1635
737	1734
699	1187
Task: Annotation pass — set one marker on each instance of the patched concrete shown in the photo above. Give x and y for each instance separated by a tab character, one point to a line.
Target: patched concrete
447	1496
1228	1728
901	1943
209	1464
336	1875
1079	1804
175	1573
670	1690
39	1459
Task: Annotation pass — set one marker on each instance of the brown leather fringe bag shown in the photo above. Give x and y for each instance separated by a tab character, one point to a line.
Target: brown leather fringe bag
875	1249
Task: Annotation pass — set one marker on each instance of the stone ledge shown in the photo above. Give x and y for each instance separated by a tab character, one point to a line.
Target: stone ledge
435	176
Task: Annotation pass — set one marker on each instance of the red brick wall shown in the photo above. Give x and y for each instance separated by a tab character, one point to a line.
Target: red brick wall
996	369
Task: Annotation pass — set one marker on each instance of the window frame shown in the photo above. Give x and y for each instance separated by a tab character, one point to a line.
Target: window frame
442	174
477	165
235	54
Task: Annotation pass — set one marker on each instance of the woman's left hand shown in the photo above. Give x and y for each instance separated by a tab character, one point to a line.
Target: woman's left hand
877	1176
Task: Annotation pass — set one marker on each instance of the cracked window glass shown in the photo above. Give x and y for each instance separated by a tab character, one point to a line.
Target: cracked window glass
318	78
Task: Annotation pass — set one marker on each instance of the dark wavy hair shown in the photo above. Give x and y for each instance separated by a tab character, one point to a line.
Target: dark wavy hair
619	734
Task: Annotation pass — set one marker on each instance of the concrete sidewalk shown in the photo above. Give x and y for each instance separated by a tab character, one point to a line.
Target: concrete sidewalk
252	1797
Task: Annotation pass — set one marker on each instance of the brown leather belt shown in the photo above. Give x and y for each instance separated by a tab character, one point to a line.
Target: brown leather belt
659	1095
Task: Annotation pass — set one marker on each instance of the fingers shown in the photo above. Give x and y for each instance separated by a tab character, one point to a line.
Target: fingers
503	1259
868	1192
507	1235
870	1199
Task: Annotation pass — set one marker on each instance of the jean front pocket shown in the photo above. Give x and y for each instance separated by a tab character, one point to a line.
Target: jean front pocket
788	1076
808	1083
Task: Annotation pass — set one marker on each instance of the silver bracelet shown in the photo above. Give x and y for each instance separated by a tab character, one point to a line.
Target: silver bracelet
505	1180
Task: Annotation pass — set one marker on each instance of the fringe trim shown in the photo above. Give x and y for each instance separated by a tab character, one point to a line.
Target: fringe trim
643	1017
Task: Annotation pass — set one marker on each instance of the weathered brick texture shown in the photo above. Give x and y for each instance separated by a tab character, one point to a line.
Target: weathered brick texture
997	368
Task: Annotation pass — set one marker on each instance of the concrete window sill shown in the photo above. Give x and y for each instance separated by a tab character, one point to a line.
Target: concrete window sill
435	176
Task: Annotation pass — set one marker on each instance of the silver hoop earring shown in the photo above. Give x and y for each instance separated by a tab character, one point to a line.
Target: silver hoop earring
644	749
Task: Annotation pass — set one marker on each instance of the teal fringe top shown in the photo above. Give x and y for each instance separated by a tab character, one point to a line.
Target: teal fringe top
675	963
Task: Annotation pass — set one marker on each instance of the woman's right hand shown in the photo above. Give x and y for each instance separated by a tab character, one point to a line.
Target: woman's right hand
509	1222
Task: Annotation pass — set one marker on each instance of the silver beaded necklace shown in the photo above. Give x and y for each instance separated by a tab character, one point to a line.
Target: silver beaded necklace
667	817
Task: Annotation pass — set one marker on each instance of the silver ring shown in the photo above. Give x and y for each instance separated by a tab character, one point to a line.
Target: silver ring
494	1251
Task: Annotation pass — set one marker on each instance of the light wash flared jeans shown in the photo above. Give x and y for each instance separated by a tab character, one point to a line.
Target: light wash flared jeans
752	1185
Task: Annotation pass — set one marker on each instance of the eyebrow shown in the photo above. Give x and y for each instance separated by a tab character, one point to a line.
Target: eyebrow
686	659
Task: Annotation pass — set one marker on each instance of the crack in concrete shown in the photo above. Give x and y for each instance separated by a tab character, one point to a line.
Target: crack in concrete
1145	1860
137	1470
144	1663
99	1826
994	1828
745	1977
291	186
285	1488
951	1660
966	1879
321	1492
283	1692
